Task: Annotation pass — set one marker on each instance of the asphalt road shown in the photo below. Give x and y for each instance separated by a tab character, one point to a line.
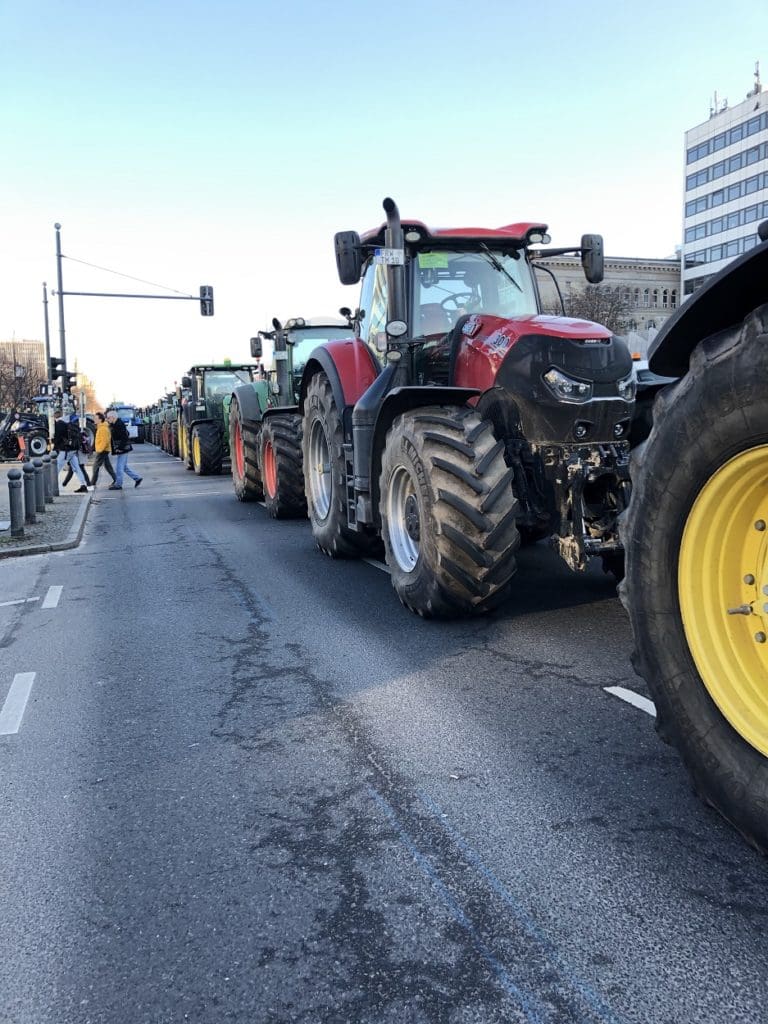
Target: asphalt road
248	786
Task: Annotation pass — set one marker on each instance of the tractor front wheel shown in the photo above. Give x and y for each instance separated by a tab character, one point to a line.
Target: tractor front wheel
448	512
696	538
325	475
244	453
207	449
281	466
37	445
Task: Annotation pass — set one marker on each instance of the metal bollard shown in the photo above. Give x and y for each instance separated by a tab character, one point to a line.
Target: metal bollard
47	490
30	497
39	485
15	500
55	475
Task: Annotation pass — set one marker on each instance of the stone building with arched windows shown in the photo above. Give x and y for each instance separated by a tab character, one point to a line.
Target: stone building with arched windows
650	289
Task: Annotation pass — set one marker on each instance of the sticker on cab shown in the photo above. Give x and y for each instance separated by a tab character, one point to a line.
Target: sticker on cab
433	259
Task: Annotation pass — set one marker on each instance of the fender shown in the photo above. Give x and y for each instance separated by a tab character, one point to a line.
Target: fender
349	366
249	401
276	410
722	302
398	401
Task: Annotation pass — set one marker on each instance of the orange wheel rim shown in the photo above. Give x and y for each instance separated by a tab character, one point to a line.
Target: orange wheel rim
270	469
239	456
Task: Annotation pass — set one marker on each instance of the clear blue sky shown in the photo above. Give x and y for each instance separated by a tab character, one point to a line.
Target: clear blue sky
224	144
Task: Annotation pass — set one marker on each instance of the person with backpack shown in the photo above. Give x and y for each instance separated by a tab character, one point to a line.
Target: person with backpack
66	443
82	452
121	446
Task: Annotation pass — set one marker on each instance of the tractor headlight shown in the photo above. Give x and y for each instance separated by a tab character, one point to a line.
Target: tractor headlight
565	388
627	387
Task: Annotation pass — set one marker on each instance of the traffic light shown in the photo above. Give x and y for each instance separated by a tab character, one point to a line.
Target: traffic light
55	367
69	381
206	300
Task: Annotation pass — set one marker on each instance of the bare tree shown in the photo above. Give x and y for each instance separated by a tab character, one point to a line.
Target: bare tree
19	378
603	304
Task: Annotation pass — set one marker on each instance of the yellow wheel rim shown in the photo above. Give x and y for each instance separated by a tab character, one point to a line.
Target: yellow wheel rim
196	450
723	590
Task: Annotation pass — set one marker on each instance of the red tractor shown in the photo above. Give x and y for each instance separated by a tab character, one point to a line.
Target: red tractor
460	418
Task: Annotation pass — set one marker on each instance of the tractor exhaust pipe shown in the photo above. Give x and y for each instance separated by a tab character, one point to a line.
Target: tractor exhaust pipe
393	239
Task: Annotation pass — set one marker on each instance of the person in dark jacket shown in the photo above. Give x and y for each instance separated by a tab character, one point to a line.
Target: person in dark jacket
82	451
121	446
66	443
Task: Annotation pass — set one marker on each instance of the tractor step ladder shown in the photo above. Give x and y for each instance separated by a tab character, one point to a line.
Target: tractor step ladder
349	472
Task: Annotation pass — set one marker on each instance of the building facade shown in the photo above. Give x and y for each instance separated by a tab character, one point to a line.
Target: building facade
726	186
649	289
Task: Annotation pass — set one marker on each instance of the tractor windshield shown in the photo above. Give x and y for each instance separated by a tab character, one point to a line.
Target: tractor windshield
306	339
219	383
448	284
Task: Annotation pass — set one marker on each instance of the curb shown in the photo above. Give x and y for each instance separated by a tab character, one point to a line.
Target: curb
73	538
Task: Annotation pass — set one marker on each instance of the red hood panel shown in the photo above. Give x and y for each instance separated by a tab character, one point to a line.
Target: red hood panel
487	339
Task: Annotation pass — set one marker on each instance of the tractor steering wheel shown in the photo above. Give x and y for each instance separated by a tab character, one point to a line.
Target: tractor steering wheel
459	301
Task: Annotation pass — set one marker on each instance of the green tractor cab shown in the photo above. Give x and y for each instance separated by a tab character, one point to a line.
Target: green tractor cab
206	391
264	420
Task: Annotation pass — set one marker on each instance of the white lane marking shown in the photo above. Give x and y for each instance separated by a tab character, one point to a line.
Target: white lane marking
15	703
52	597
378	565
633	698
20	600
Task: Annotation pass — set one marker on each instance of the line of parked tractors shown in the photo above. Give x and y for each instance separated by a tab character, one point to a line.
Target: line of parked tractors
446	421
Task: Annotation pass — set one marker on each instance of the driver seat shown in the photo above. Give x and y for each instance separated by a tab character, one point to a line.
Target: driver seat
433	320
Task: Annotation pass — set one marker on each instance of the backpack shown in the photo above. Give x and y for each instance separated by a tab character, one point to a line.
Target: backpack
73	437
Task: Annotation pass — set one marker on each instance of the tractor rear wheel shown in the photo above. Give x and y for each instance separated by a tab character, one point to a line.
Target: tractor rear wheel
185	445
174	439
447	512
207	449
325	476
37	445
281	466
244	454
696	537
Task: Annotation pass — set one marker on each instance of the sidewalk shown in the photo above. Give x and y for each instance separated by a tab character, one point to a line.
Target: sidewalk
59	527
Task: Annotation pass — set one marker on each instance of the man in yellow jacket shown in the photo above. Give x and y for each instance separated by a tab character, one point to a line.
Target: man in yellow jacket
102	446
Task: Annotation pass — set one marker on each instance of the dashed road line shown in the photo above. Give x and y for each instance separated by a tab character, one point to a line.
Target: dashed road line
635	699
52	597
15	703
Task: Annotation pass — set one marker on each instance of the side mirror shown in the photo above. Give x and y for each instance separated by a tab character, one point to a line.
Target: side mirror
256	348
349	256
276	324
592	258
186	382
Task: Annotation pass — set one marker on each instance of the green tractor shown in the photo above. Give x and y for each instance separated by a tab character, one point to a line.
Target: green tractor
203	440
265	426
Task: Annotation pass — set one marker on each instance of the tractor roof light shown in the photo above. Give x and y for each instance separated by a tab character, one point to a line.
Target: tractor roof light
537	237
412	236
565	388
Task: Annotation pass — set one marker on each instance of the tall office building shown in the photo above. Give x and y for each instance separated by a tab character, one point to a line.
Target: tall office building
726	185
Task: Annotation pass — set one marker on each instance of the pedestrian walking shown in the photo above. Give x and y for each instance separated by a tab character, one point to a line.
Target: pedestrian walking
102	446
66	442
121	446
82	451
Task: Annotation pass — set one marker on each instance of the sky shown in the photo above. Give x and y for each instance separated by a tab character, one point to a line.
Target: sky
225	143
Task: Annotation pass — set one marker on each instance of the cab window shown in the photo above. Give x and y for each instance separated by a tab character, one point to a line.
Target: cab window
373	299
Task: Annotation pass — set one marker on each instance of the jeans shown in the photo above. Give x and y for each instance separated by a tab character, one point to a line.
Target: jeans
101	459
121	466
74	462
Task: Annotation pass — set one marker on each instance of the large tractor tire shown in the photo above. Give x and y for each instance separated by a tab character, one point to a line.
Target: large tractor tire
281	466
207	449
37	445
325	478
174	439
244	455
185	445
447	512
696	590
